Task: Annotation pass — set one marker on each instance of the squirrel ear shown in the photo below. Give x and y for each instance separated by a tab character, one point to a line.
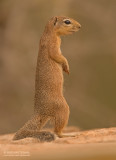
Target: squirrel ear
55	20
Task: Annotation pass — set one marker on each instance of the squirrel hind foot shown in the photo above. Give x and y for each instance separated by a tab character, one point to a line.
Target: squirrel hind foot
45	136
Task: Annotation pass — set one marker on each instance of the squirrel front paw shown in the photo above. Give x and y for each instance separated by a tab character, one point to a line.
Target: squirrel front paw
65	67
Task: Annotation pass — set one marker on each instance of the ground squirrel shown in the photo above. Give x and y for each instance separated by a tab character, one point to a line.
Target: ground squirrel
50	103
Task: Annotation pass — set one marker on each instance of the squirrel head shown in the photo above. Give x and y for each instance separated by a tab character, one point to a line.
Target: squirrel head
64	25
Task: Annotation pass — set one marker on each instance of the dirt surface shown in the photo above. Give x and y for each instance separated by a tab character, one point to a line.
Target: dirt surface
99	144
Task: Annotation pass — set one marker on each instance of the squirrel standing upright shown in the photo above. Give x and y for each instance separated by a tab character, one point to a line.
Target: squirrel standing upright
50	103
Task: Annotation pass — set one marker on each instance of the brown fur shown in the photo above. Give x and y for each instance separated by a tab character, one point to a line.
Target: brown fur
50	103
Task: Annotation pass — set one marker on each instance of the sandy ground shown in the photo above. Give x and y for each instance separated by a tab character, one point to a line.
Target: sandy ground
99	144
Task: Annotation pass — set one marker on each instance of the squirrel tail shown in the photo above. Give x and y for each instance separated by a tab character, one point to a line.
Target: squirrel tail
32	129
43	136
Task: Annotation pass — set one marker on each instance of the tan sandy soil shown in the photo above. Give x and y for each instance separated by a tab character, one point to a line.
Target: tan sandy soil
99	144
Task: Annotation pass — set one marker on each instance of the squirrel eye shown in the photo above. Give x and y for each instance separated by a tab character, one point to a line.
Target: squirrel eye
67	22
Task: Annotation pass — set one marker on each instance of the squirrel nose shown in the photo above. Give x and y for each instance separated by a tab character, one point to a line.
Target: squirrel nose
79	26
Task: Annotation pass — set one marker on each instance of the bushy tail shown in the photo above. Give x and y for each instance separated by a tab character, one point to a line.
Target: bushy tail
32	129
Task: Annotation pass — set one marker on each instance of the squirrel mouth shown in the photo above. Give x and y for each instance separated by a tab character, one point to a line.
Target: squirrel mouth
73	30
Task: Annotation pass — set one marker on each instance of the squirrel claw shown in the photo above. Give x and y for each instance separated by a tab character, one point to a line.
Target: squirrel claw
67	71
65	68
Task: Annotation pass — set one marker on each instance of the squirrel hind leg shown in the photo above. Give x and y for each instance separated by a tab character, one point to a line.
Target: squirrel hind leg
61	121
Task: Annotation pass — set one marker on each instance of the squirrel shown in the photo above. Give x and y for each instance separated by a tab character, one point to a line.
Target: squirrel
49	102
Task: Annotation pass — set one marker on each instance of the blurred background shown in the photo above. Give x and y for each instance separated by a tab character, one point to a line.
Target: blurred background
90	89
